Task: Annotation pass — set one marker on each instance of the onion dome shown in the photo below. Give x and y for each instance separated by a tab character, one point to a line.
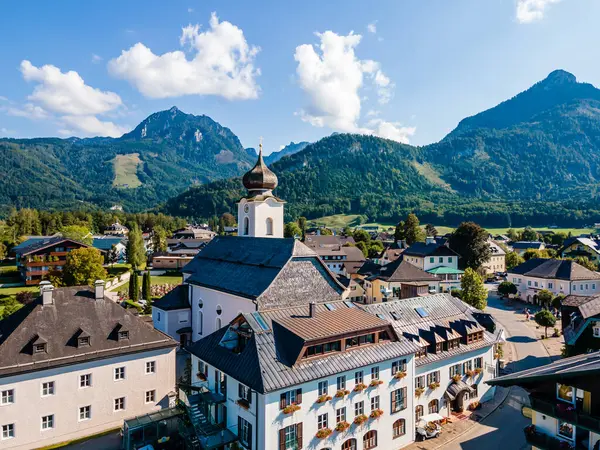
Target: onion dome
260	177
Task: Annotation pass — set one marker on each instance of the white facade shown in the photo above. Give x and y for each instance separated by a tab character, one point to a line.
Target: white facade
148	379
431	262
170	321
260	218
528	287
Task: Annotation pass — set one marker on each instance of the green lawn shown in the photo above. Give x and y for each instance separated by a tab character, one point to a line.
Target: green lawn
5	292
126	171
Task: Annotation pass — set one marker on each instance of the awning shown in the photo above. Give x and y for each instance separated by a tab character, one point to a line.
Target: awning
184	330
456	388
434	417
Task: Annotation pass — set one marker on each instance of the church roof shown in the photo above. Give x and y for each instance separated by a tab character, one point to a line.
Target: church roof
260	177
274	272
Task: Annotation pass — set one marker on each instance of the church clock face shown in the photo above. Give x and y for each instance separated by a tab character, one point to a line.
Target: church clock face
246	208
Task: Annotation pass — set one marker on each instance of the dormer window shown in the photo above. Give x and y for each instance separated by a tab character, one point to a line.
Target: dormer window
596	330
439	347
123	335
83	341
39	348
421	353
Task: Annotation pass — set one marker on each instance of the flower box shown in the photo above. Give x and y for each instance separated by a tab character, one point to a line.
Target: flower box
434	385
419	391
457	378
470	373
375	383
323	433
323	398
478	371
201	376
473	406
399	375
359	387
341	393
342	426
360	419
290	409
376	414
242	402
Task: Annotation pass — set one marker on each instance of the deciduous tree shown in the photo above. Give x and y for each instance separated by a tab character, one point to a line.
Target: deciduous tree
430	230
507	288
546	319
529	234
136	254
513	259
470	241
412	230
544	297
473	290
83	266
78	233
291	229
159	239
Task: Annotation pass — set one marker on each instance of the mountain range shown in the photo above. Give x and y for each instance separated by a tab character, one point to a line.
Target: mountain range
532	158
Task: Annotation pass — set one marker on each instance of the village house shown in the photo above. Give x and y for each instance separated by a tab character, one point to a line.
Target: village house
438	259
521	247
116	229
581	246
497	261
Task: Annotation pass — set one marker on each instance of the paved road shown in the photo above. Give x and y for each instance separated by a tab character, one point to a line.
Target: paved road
503	429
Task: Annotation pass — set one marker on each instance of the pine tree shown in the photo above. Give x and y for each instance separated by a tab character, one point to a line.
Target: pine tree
134	287
146	286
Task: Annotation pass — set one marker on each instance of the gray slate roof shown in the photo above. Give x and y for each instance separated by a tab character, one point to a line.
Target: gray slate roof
74	311
175	299
403	271
560	269
432	249
35	244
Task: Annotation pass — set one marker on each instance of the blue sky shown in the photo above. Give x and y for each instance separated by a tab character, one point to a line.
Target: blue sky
410	71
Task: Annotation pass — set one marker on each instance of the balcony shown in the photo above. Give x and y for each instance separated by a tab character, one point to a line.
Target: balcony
561	410
543	441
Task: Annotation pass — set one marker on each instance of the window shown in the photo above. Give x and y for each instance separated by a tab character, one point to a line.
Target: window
341	382
322	421
83	341
528	282
39	348
269	226
323	387
85	413
120	404
200	316
350	444
85	380
358	377
398	428
455	370
247	228
398	366
418	412
218	323
565	393
158	316
467	366
565	430
123	335
420	382
450	259
150	396
150	367
359	408
119	373
441	260
434	406
47	388
593	285
340	415
535	283
574	287
8	431
245	393
479	363
48	422
374	402
8	396
433	377
432	260
374	373
245	432
290	438
399	399
293	397
550	285
370	440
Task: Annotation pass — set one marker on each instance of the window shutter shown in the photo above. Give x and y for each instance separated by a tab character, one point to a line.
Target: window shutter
249	436
249	396
298	396
240	428
299	435
282	438
404	391
240	391
282	403
206	370
393	408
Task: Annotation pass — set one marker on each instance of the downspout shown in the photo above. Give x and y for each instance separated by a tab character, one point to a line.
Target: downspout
257	428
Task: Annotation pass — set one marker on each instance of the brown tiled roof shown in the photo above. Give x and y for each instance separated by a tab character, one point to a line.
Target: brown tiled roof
341	320
403	271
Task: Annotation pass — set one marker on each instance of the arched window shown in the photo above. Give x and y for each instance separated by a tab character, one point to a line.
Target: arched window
219	310
269	226
200	303
246	226
350	444
418	412
370	440
200	317
218	323
398	428
434	406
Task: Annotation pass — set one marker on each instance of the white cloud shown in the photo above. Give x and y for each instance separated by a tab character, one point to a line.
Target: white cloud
281	147
65	98
190	10
372	27
222	64
332	77
532	10
96	58
3	99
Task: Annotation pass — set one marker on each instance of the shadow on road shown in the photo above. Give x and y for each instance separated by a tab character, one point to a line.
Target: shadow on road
521	339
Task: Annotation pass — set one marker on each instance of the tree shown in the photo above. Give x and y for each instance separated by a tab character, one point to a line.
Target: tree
3	251
473	290
531	253
546	319
412	230
585	262
529	234
399	232
363	248
470	241
361	235
228	219
375	248
513	235
513	259
558	238
544	297
291	229
557	301
325	231
302	225
159	239
347	231
430	230
134	287
78	233
83	266
136	254
146	286
113	255
507	288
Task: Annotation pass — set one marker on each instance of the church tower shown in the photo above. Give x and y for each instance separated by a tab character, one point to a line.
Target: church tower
260	213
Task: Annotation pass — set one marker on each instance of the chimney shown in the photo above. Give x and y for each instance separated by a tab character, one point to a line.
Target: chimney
312	309
430	240
46	291
99	290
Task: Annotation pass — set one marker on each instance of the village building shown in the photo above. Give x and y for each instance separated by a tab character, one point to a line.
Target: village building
497	261
116	229
435	257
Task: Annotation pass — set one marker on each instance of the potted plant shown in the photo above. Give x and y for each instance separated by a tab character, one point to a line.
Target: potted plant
359	387
290	409
342	426
341	393
470	373
419	391
323	433
400	374
360	419
242	402
375	383
323	398
434	385
473	406
457	378
201	376
478	371
376	413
